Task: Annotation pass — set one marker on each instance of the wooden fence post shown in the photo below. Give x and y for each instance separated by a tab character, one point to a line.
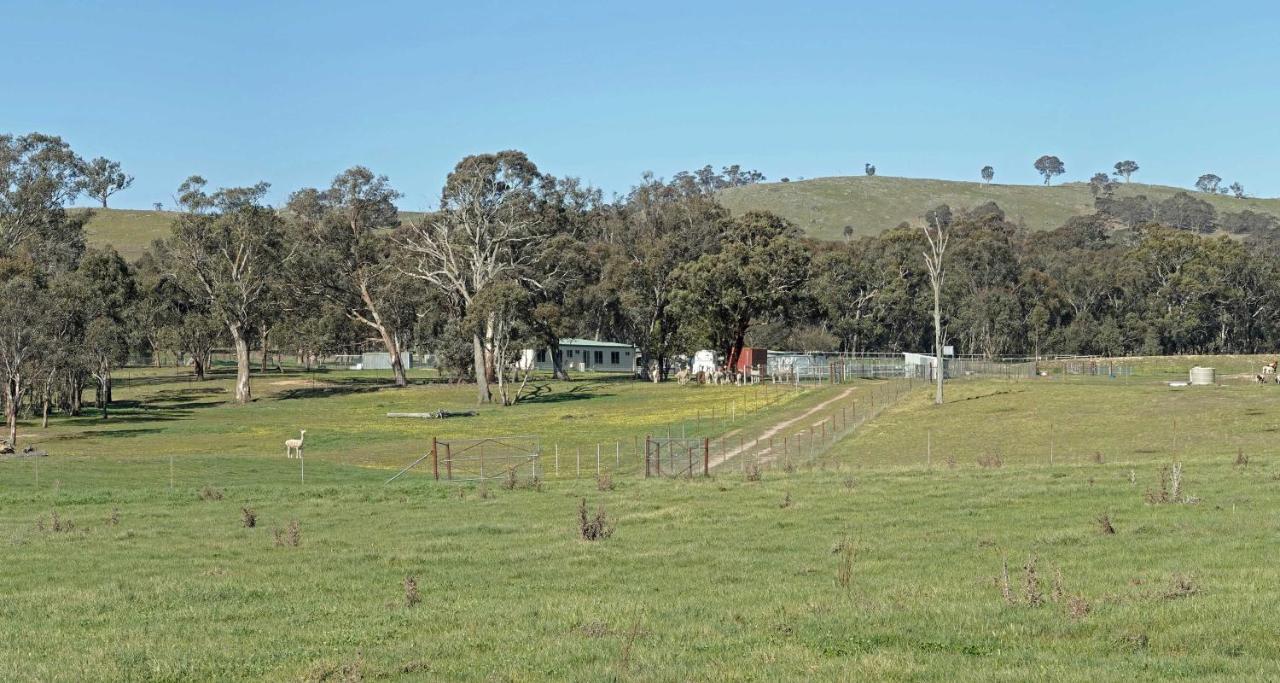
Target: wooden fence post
706	457
448	461
435	458
646	456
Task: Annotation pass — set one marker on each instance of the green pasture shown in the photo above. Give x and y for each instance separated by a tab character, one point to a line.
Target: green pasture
705	579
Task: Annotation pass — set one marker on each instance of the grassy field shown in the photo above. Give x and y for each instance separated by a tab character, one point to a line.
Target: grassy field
871	205
719	579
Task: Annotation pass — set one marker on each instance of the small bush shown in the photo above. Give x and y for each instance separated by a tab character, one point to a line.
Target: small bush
990	461
1097	457
844	570
1006	591
290	536
593	527
849	483
209	493
510	482
1059	586
248	518
1105	526
950	460
752	472
1242	460
113	519
411	595
483	492
786	501
55	524
1031	583
604	483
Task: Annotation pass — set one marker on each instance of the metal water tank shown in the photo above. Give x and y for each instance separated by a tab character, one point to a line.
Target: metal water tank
1202	376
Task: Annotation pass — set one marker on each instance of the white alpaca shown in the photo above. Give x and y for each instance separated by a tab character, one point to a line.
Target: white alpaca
293	446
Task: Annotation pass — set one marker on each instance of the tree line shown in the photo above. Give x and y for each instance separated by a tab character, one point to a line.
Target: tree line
514	257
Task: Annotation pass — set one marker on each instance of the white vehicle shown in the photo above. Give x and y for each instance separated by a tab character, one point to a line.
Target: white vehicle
703	361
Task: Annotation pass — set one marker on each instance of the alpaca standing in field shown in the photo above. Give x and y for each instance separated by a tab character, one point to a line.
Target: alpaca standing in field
1268	373
294	446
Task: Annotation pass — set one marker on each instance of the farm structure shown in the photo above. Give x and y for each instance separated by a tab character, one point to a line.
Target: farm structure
379	360
583	355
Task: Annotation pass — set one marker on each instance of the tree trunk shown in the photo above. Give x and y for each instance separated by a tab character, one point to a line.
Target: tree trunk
243	392
12	390
557	362
389	341
104	400
198	365
482	379
77	395
940	371
266	348
44	412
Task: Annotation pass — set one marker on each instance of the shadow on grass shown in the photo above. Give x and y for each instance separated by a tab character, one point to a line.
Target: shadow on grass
542	393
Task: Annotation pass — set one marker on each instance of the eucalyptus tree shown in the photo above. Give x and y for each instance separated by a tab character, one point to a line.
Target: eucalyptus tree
487	228
345	254
103	178
1126	168
40	176
937	231
225	250
660	226
987	174
1049	166
23	307
760	270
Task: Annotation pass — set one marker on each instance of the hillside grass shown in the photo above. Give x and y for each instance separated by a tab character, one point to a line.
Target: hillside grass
132	231
871	205
708	579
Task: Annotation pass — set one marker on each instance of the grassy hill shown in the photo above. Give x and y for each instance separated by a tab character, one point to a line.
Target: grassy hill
823	206
131	231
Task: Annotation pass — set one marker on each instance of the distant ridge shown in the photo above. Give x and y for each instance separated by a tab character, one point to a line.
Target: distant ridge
873	204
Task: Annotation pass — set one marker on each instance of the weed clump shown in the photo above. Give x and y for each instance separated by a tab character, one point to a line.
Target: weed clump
248	518
510	482
290	536
1105	527
209	493
786	501
1242	460
411	595
1097	457
1180	586
1170	487
990	461
752	472
849	483
55	524
595	527
844	569
113	519
1078	608
604	483
1031	583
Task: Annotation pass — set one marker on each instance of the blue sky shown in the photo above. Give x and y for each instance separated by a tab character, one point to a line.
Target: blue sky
293	93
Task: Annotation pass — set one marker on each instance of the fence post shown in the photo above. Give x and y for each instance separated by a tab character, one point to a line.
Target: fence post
448	461
557	461
578	452
646	456
706	457
928	450
435	458
597	458
617	455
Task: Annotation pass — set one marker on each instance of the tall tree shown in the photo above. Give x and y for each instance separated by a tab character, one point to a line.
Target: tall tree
1050	166
103	178
760	269
345	254
22	311
487	228
1126	168
987	174
226	248
1101	185
1208	183
1237	190
937	230
39	177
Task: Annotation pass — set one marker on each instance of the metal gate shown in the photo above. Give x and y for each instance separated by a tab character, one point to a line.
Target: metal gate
676	457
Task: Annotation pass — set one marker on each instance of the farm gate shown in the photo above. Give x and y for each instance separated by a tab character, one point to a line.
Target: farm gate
496	457
677	456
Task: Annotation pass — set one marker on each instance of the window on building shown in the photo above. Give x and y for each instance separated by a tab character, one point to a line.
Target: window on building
542	355
613	357
599	356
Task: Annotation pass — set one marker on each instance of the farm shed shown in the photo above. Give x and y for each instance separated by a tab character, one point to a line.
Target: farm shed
584	355
752	358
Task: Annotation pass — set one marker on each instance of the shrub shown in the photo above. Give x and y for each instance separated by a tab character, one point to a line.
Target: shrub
510	482
1031	583
752	472
1105	526
55	524
209	493
411	595
1242	460
844	570
290	536
786	501
113	519
990	461
1078	608
604	482
248	518
1180	586
593	527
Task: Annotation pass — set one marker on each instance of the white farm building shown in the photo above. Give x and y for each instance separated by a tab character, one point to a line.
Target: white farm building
584	355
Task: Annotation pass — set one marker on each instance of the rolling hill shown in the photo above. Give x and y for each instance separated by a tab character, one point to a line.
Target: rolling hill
872	204
131	231
822	206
